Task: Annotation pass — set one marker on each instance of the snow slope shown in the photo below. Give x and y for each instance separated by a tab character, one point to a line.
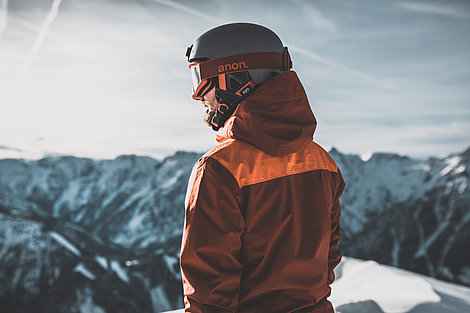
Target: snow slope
369	287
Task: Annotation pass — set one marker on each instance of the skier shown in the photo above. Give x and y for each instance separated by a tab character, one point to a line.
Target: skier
262	208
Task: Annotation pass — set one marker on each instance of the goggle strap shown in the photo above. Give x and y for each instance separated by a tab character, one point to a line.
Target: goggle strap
246	88
203	88
222	82
245	62
231	102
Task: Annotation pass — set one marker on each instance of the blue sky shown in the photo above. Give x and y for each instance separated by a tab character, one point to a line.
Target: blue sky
100	78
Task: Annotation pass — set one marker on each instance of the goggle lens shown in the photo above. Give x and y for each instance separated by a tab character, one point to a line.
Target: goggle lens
195	75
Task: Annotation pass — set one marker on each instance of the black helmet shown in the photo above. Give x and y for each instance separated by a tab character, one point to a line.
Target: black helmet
235	59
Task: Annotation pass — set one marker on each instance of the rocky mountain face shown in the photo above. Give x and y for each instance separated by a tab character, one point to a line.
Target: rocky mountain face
408	213
82	235
79	235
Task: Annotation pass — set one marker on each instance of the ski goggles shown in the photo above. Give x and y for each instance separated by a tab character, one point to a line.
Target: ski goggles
195	75
203	72
200	86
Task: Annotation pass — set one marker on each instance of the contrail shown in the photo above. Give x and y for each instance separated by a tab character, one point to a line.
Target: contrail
190	10
307	53
340	66
3	16
50	18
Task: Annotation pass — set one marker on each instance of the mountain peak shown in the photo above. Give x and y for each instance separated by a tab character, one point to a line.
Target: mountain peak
387	156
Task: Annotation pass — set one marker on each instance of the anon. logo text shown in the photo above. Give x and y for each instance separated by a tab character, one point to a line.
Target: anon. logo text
232	67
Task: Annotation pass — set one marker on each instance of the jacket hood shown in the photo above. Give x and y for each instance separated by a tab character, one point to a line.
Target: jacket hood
276	118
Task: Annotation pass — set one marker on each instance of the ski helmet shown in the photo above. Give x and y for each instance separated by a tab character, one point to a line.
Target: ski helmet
235	59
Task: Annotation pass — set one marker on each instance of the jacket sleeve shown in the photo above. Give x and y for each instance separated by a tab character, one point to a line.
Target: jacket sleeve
210	252
334	255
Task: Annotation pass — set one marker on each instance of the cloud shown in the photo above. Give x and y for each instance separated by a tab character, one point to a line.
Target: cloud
190	10
315	18
342	68
3	16
434	9
319	21
39	41
112	78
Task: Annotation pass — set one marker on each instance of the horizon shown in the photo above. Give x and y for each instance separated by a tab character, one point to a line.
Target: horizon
364	157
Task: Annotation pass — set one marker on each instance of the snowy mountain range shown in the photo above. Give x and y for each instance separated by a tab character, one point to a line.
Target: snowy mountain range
408	213
89	235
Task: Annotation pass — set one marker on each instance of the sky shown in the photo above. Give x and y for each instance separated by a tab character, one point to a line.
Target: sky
101	78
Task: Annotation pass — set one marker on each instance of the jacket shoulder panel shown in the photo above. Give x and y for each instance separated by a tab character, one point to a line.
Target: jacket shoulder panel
199	169
250	165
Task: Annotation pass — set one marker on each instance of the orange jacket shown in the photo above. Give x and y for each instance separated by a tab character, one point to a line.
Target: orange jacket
262	211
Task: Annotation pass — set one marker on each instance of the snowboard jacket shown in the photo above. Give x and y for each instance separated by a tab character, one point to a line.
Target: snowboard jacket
262	211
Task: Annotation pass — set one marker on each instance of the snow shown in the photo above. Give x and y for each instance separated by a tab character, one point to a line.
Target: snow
367	280
132	262
80	268
85	298
136	221
149	239
460	169
462	183
142	195
102	261
120	272
451	164
421	167
383	178
68	197
110	197
171	263
172	180
366	156
64	242
74	196
377	183
159	299
361	285
461	293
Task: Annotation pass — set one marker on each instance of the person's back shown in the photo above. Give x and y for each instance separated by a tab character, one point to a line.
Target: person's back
262	210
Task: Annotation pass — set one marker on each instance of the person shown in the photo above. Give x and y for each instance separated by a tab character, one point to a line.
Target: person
262	208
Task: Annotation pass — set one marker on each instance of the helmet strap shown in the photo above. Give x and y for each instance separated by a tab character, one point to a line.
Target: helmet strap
228	102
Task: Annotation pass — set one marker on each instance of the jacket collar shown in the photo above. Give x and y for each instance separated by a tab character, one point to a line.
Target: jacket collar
276	118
